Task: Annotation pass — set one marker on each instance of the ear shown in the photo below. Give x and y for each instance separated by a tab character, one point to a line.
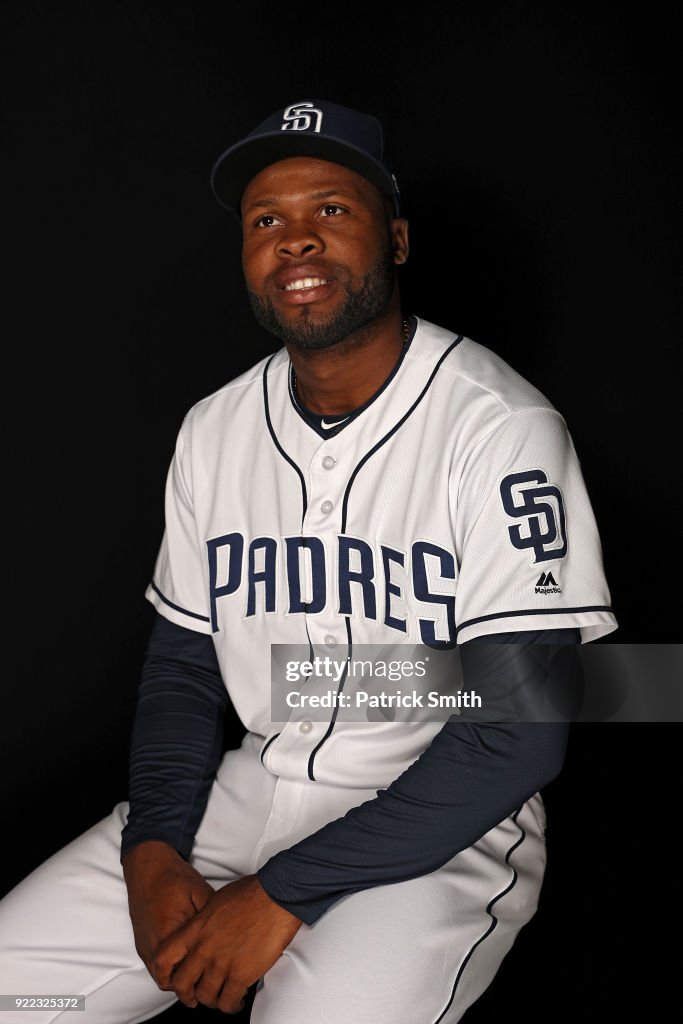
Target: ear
399	237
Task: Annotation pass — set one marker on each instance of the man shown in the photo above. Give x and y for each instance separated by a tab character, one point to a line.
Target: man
377	481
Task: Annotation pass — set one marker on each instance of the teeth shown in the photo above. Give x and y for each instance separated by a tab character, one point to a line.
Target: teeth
305	282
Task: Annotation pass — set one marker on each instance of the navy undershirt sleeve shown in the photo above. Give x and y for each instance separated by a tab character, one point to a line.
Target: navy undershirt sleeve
470	778
177	738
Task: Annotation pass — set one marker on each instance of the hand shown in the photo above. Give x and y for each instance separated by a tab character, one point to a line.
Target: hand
229	945
164	892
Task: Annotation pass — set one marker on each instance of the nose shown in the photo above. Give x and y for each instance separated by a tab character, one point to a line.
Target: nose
300	239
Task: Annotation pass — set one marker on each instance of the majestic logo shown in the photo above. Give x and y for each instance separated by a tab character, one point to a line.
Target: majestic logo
547	584
530	497
299	116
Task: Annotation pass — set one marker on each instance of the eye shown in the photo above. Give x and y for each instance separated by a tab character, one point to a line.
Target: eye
332	210
268	220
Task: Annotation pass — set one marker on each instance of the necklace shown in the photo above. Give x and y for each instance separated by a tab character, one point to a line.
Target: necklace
405	332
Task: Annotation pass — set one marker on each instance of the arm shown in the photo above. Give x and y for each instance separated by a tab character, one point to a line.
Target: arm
177	741
177	738
471	777
175	751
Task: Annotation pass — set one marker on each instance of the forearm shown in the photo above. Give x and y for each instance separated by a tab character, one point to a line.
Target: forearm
177	738
471	777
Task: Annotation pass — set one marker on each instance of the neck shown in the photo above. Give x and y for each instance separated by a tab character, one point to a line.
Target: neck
342	378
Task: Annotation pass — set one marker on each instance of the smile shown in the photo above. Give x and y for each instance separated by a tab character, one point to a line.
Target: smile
305	282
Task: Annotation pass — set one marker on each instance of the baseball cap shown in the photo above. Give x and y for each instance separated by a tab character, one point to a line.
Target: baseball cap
313	128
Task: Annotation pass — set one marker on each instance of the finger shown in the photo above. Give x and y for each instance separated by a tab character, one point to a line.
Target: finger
185	978
209	987
169	954
186	991
231	999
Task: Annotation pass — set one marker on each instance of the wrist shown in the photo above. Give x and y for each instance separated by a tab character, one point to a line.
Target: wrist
273	903
150	852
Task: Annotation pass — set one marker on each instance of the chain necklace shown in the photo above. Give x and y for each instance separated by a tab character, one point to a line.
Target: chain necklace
405	331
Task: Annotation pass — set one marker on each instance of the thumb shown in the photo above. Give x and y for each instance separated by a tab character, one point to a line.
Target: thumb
200	894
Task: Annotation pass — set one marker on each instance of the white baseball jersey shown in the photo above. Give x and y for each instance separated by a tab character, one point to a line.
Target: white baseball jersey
452	506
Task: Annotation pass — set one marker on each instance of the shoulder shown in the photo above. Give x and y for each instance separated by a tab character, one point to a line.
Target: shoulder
479	399
242	396
476	372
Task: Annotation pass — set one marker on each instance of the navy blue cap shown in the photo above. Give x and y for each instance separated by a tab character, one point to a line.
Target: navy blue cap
313	128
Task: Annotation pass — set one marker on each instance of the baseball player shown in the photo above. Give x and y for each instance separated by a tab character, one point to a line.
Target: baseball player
379	480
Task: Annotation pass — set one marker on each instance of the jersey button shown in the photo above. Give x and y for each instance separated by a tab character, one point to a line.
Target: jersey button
326	507
330	641
305	726
329	462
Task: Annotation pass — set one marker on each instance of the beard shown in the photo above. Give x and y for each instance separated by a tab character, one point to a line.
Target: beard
359	309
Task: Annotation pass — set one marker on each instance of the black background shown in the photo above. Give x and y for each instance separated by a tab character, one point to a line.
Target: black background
540	163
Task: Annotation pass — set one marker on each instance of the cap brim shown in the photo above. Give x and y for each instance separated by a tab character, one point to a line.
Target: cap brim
234	170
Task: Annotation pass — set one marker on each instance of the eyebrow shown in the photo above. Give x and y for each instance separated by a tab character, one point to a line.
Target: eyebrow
314	196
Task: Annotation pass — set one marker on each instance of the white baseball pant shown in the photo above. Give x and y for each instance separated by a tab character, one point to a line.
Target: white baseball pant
415	952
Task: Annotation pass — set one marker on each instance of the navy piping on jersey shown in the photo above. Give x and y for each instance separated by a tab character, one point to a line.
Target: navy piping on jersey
263	752
335	710
494	919
193	615
393	430
283	453
327	434
311	653
365	458
532	611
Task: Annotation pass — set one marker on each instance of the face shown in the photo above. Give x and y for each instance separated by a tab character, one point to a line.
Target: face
320	249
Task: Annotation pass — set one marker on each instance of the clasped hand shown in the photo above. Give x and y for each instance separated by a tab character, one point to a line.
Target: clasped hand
228	945
206	946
